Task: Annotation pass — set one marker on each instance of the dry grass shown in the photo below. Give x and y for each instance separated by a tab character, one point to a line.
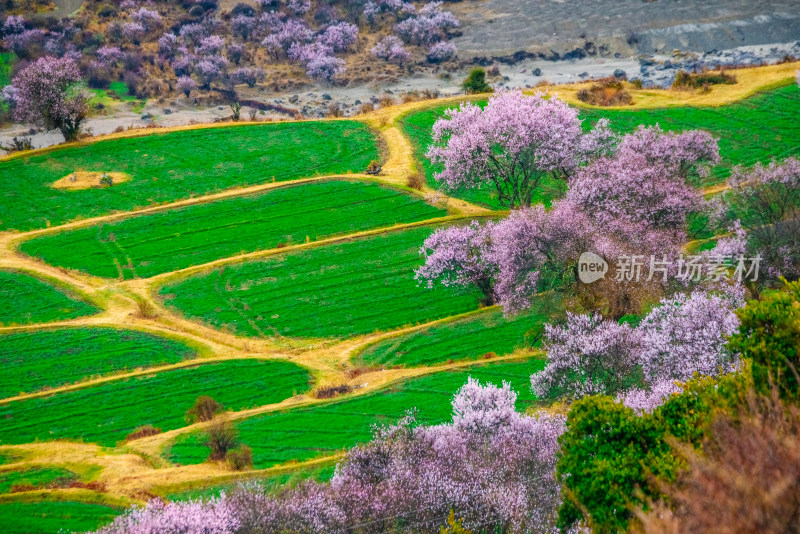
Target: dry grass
748	480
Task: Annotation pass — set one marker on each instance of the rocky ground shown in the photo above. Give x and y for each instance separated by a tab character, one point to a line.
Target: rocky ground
558	41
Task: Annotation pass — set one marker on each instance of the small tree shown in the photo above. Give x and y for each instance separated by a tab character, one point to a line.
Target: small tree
49	92
240	458
511	145
222	437
475	82
204	409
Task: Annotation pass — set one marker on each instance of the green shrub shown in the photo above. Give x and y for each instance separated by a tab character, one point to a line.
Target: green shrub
686	80
106	10
613	461
769	335
475	82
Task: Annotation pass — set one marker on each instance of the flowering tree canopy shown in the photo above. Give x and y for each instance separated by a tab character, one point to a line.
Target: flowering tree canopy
587	356
459	256
765	199
391	49
492	466
684	336
49	93
512	144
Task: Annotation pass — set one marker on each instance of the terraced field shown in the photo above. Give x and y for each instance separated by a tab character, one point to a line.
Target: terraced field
322	430
470	338
28	300
37	478
177	165
108	412
148	245
53	516
268	328
340	290
758	128
33	361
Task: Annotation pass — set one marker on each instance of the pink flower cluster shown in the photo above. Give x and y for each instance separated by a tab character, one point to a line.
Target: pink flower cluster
493	466
684	336
427	25
632	199
216	516
391	49
49	92
510	145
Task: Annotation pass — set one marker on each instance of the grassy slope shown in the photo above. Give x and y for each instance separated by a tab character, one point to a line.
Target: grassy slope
7	60
759	128
54	517
166	241
756	129
52	358
304	433
38	477
343	289
464	339
270	483
29	300
106	413
177	165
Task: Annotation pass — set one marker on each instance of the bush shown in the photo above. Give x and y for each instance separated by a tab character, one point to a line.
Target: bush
106	10
332	391
204	409
240	458
222	437
416	181
131	82
18	144
475	82
606	92
614	461
143	432
686	80
769	334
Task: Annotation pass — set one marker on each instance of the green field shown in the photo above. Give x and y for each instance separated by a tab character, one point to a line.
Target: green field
342	289
153	244
464	339
316	431
271	483
50	358
7	60
759	128
36	477
177	165
28	300
50	517
106	413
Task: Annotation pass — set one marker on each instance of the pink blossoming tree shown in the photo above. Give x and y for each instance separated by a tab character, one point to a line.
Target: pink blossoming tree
492	466
50	93
511	145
